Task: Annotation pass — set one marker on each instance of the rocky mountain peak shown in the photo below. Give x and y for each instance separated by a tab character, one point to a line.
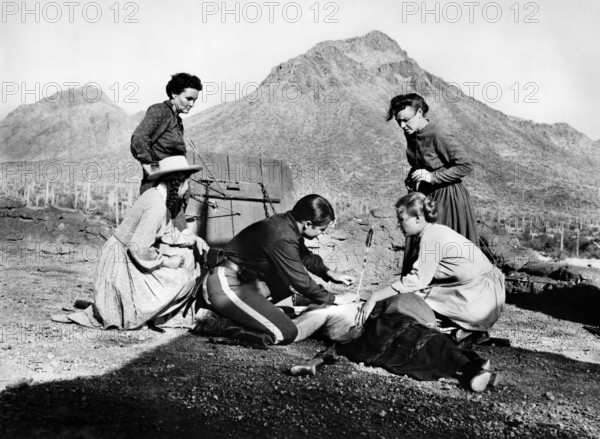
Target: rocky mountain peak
333	61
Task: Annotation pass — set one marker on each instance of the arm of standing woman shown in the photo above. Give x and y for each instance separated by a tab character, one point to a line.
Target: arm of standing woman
456	163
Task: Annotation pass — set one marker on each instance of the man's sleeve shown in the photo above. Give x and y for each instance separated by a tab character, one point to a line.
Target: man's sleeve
313	263
154	122
285	256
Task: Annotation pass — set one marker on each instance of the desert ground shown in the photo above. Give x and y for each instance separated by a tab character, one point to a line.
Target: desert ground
60	380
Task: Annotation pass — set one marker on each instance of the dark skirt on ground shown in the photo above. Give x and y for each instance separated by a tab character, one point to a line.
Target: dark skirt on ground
403	346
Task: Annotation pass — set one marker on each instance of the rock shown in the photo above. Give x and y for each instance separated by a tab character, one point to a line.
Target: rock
383	212
543	269
340	235
7	202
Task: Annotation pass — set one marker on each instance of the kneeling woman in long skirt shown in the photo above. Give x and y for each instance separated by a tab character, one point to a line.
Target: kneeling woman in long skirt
147	269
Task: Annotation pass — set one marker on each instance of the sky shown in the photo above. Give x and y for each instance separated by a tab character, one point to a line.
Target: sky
534	60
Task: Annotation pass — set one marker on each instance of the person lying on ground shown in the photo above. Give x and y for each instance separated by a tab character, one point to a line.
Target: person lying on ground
148	268
264	264
451	273
399	335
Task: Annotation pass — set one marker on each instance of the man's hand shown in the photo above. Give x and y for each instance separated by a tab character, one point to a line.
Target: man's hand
345	298
175	261
364	312
340	278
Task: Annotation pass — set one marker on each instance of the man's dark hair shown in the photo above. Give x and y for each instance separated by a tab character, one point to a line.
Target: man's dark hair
314	208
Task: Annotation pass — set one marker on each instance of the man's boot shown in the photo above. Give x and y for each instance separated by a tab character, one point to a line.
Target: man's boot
209	323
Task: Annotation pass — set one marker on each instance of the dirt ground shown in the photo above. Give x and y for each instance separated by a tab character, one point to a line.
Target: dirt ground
63	381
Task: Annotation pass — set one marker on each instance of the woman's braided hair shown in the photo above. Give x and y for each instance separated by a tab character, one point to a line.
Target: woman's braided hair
173	182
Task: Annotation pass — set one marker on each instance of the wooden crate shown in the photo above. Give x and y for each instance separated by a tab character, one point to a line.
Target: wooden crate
232	186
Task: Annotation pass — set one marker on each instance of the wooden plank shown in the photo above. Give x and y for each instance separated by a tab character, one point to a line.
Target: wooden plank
252	210
219	229
240	191
237	189
287	188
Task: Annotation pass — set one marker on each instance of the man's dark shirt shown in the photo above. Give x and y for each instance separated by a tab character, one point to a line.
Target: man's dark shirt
274	248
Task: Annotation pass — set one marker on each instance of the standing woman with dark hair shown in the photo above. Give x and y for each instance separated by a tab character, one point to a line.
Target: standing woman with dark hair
269	259
160	133
438	163
147	269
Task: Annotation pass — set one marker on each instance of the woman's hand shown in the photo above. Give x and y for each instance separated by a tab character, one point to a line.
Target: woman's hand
422	175
340	278
175	261
364	312
345	298
201	245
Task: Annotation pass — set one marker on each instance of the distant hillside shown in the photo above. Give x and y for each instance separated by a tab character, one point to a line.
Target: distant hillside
66	126
323	111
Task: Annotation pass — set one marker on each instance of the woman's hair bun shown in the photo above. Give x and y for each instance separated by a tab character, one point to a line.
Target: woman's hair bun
418	204
430	210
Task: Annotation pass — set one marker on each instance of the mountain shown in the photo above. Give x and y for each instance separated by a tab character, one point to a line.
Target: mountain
324	112
72	124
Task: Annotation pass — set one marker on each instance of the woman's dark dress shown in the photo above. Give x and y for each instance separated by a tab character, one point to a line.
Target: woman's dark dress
440	153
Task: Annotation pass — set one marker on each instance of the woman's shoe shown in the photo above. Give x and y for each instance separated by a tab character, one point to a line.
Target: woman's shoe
483	379
477	375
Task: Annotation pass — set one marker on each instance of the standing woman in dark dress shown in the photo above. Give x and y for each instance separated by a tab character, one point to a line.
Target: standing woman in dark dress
438	164
160	134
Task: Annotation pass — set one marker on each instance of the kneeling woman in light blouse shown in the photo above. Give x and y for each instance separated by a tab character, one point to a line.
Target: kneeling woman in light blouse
451	273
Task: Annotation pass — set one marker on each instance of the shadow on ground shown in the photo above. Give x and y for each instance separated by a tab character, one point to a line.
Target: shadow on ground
577	303
190	388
